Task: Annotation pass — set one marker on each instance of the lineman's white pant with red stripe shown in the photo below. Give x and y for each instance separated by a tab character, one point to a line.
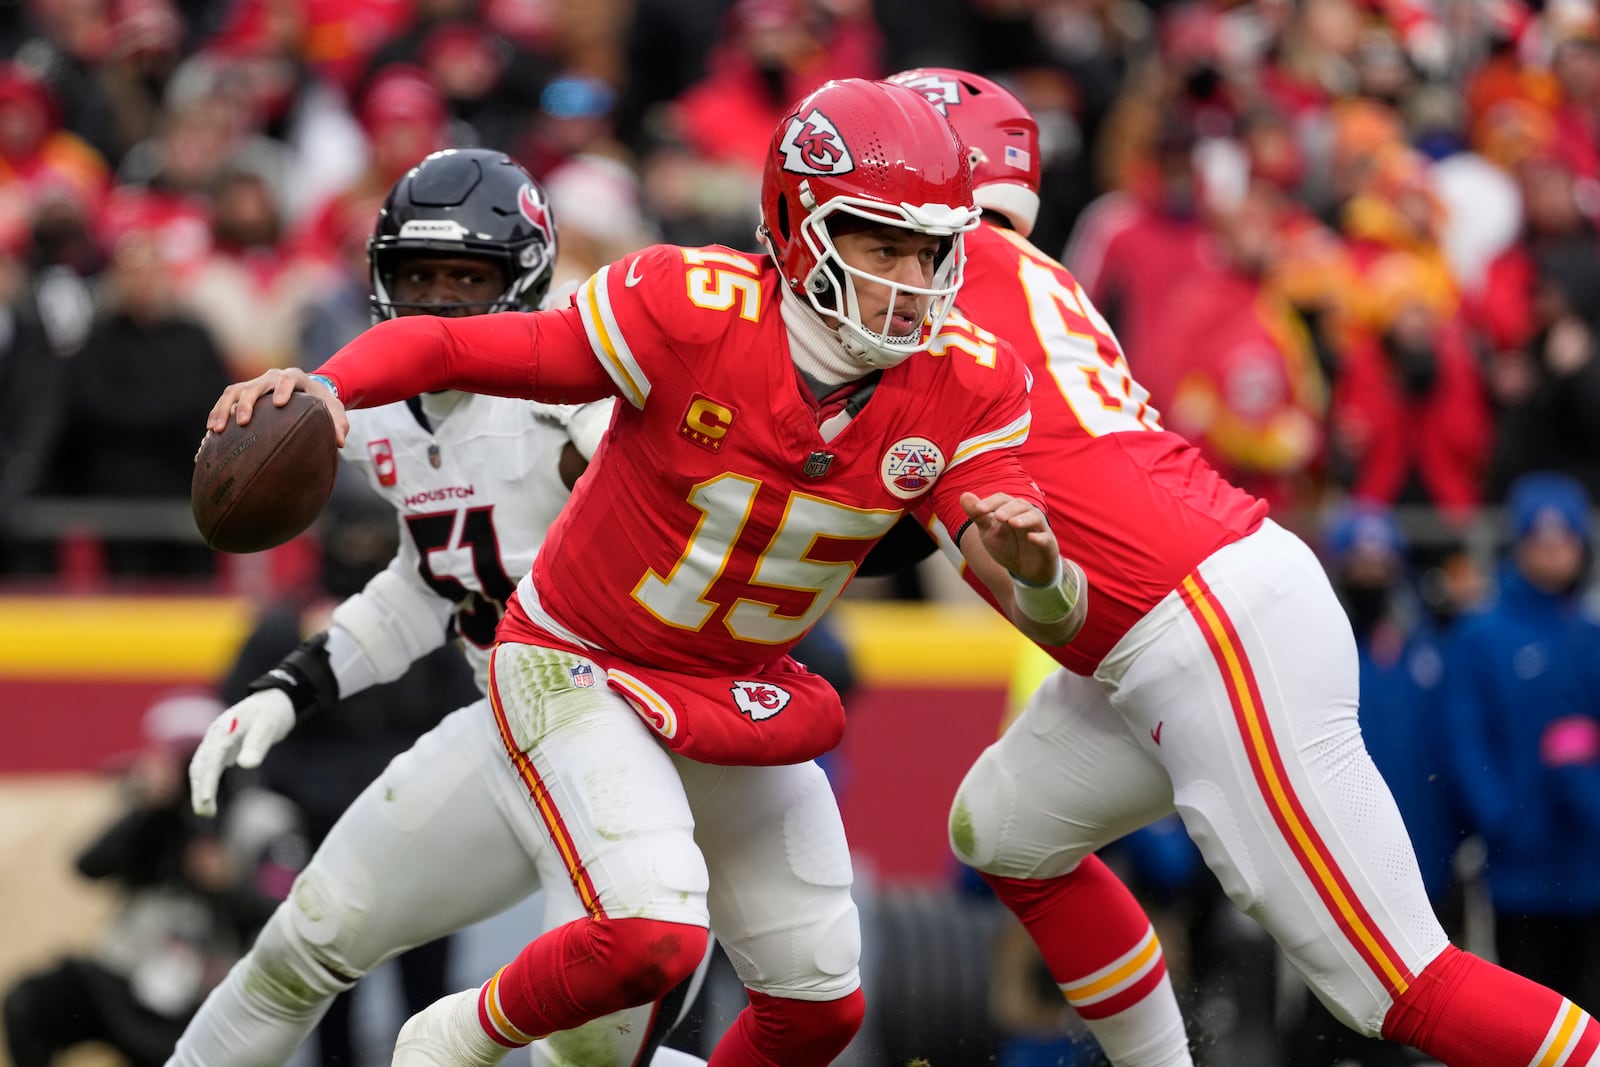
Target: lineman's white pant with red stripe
1234	703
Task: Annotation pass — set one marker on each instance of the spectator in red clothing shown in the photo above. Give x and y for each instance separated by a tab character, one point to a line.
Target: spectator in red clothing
1249	392
1506	309
1129	250
1574	31
1540	312
251	292
1410	419
404	117
772	52
40	161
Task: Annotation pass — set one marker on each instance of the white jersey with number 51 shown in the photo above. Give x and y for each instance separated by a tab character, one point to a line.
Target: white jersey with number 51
476	483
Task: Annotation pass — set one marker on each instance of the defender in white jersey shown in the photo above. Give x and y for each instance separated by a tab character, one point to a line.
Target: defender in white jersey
441	839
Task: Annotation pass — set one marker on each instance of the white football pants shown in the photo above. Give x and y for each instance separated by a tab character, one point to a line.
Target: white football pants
758	853
1234	702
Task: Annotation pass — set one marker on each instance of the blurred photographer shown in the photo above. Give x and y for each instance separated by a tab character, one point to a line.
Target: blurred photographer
196	892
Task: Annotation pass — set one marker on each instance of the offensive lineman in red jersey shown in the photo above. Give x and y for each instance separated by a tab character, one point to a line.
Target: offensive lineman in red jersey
778	418
1215	674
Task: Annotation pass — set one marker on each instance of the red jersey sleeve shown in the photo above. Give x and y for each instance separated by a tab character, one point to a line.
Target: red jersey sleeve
605	343
987	459
541	355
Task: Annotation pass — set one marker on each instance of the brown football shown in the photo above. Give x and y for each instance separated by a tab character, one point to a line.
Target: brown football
261	484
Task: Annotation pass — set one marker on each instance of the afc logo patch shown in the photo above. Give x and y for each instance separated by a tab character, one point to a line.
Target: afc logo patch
382	456
760	700
812	145
911	466
706	422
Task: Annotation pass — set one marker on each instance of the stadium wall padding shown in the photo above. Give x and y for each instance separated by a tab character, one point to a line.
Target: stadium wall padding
76	674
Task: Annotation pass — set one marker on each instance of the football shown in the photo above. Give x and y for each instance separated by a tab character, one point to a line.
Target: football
261	484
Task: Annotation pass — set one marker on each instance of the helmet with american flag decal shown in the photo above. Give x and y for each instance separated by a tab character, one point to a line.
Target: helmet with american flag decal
869	153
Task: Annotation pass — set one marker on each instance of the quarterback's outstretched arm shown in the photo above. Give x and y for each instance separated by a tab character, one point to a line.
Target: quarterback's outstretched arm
539	355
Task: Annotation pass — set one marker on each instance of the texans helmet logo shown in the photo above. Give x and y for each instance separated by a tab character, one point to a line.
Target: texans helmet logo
942	93
536	211
812	145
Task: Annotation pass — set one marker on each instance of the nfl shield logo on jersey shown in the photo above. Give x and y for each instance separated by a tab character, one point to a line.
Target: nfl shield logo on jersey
583	676
760	700
911	466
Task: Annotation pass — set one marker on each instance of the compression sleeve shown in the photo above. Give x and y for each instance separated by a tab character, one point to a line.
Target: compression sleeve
538	355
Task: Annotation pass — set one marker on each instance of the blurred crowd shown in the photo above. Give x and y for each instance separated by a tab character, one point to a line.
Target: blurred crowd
1348	245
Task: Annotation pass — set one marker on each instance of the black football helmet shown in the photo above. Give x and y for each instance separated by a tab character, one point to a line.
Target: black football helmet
466	201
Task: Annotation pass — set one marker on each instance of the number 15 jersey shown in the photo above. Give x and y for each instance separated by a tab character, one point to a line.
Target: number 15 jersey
716	524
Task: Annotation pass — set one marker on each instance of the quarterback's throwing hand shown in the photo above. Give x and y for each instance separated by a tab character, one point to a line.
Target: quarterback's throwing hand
239	400
239	736
1016	534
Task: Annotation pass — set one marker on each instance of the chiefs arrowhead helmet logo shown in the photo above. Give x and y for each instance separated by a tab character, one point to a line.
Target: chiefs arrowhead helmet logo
812	145
941	92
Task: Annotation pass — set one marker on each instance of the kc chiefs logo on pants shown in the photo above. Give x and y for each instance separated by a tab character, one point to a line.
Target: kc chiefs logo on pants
760	700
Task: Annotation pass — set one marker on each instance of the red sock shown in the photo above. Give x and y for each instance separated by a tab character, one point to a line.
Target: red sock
1466	1012
779	1032
583	970
1084	922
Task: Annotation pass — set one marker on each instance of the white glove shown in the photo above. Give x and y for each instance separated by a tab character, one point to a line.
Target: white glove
239	736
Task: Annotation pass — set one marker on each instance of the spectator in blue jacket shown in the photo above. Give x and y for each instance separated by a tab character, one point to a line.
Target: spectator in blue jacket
1523	684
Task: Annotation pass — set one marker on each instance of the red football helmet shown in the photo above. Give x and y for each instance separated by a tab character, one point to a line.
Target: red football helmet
877	152
1002	139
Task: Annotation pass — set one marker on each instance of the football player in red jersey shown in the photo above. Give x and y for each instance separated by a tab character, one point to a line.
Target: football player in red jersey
1215	675
776	419
476	482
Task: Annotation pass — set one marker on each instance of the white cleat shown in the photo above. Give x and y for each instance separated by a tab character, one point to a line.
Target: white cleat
446	1034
